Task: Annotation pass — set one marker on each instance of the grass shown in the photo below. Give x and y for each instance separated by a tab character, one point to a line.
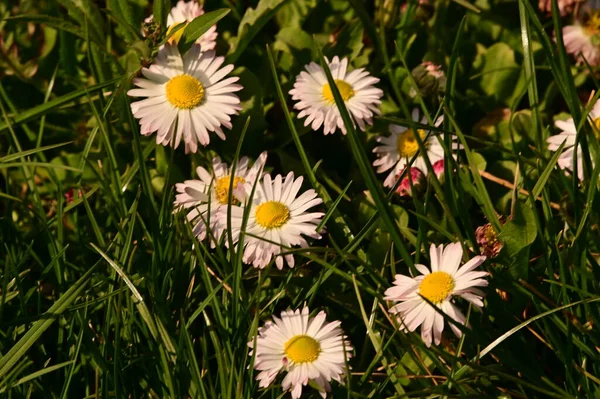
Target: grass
105	292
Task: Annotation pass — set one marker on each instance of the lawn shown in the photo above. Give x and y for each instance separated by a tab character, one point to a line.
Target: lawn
299	198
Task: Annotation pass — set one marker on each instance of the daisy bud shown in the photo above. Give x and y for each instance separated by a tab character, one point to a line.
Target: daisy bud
438	169
415	182
430	79
488	241
151	31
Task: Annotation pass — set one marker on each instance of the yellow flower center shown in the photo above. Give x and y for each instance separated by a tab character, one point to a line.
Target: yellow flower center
185	91
592	25
302	349
272	214
344	88
177	35
407	143
436	287
222	189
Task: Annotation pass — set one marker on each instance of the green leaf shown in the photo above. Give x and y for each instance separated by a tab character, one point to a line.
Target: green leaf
295	38
198	27
160	11
253	21
501	77
124	20
88	16
123	9
519	232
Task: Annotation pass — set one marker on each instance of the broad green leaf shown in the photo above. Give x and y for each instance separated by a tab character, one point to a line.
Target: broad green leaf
88	16
123	8
295	37
519	232
125	26
198	27
502	78
253	21
160	11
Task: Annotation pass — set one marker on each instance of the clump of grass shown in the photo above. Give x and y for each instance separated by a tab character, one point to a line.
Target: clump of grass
105	290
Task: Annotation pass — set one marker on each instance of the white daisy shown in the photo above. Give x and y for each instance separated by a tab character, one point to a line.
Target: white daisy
277	220
307	348
445	280
208	197
584	40
315	99
567	135
400	146
186	97
187	12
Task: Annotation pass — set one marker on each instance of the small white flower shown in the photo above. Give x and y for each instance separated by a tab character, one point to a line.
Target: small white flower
277	219
186	97
315	99
187	12
207	198
445	280
400	146
307	348
583	41
567	135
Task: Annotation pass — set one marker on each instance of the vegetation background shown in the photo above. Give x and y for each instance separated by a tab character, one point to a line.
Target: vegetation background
104	292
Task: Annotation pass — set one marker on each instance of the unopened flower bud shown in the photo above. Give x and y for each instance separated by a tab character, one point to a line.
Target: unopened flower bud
417	178
430	79
438	169
488	241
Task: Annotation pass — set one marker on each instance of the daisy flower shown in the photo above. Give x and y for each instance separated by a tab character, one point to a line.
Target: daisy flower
308	348
400	146
583	40
277	219
315	98
187	97
207	198
565	6
567	135
445	280
187	12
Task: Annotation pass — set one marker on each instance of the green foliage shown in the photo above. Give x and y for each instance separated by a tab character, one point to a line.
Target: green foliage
198	27
106	292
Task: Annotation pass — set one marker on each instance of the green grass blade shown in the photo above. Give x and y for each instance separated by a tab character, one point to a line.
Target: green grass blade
366	170
198	27
19	350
